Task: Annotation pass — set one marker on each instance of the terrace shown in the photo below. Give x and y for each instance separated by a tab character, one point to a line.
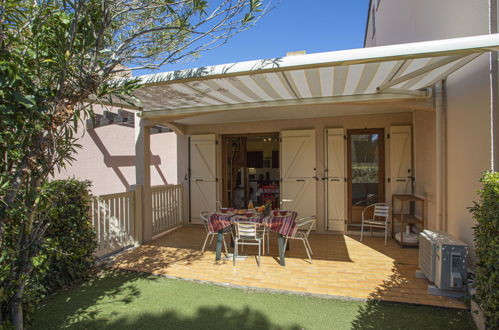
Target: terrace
342	267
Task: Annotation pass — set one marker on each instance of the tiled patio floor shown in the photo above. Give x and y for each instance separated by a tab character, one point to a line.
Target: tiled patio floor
342	266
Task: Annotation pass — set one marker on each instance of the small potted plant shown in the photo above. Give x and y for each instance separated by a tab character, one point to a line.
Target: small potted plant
268	208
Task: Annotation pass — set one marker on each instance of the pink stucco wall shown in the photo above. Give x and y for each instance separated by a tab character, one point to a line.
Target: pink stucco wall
107	159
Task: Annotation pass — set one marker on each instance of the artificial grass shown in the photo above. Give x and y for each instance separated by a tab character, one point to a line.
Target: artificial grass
127	300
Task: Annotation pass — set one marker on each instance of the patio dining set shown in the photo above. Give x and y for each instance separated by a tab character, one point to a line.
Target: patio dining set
250	227
253	227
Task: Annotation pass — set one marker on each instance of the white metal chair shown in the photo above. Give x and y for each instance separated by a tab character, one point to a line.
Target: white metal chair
246	233
380	218
260	227
209	233
303	228
265	233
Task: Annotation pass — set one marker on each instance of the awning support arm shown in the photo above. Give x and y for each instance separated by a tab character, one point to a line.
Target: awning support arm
453	68
421	93
419	72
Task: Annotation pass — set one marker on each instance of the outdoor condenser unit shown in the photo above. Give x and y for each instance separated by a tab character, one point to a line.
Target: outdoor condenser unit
443	260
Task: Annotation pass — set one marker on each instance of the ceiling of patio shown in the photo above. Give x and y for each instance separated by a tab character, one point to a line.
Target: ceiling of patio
297	112
360	76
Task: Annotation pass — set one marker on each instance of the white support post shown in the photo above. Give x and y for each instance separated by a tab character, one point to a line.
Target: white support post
143	175
494	90
183	174
137	215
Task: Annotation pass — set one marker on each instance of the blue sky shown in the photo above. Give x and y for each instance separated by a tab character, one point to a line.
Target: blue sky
313	25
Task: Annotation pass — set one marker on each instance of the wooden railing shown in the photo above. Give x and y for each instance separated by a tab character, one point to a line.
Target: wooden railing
166	207
113	217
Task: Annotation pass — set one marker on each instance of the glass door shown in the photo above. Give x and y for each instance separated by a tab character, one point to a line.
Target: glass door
366	171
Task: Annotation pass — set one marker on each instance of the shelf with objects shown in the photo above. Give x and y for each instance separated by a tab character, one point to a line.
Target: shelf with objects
405	222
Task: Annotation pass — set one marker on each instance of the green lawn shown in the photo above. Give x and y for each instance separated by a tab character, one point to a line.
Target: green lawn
123	300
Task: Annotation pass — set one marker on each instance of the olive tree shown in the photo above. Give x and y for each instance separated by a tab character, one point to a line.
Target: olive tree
57	59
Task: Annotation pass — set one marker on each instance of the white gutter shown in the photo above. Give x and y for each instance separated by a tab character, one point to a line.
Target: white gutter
441	154
445	47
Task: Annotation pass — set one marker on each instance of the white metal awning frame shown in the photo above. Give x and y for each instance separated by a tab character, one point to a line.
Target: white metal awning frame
404	71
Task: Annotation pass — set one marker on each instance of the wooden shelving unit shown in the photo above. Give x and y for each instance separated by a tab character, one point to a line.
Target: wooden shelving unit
401	219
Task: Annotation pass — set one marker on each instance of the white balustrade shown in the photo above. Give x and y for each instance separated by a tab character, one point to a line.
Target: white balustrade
166	207
113	217
117	217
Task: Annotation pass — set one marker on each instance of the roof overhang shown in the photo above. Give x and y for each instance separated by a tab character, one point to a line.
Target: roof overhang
396	72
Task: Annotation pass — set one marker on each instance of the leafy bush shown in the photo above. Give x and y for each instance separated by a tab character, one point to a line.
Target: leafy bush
486	213
70	238
66	250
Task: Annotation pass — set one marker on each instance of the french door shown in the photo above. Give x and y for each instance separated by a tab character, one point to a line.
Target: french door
366	170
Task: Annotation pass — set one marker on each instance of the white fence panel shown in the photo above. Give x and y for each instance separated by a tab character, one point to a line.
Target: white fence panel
166	207
113	217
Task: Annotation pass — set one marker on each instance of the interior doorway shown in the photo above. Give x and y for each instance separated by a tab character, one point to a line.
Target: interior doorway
366	171
250	168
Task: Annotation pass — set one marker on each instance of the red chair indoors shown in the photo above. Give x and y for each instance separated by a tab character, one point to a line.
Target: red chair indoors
270	193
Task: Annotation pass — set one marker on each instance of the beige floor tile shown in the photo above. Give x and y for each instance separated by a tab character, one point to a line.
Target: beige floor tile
342	266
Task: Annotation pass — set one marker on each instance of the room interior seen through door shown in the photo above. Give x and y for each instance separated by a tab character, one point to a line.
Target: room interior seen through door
366	170
251	170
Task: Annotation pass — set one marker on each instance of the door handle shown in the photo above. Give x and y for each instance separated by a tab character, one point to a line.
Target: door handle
197	180
300	180
316	178
337	180
400	180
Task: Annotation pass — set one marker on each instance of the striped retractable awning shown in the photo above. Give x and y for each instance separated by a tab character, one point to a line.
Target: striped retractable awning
377	73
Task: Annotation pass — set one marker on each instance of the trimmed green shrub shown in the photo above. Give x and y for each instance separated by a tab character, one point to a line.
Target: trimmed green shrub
486	213
70	238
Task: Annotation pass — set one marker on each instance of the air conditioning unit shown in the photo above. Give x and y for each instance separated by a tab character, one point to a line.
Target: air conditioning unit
443	260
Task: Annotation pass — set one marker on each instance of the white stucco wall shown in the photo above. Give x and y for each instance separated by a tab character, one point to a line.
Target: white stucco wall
107	159
468	143
468	92
424	152
403	21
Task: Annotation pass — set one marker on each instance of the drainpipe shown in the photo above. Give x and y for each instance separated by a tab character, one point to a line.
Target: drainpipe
493	76
441	154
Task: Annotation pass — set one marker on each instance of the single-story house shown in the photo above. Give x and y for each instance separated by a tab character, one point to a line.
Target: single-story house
324	134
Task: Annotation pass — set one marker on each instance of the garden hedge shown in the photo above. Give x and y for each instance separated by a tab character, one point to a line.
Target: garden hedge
486	213
70	238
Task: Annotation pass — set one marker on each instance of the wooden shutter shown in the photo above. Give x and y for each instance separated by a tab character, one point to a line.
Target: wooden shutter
298	172
335	176
203	180
400	160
